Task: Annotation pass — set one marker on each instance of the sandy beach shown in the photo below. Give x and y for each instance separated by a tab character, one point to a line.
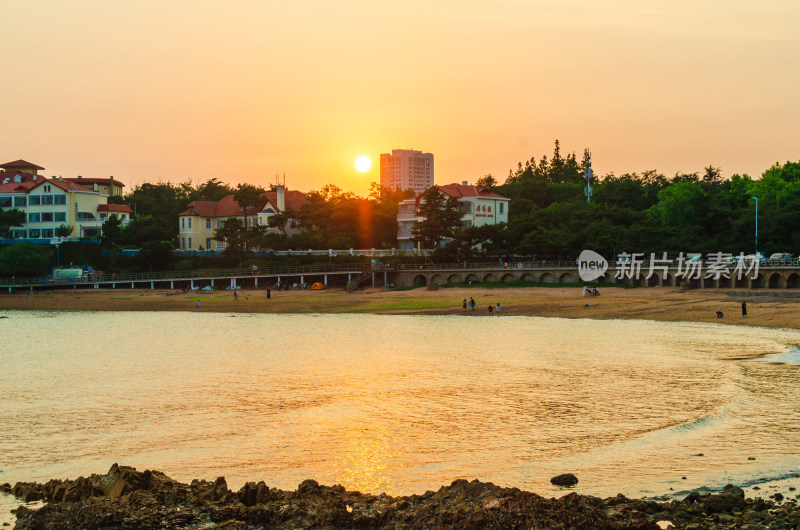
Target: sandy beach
765	308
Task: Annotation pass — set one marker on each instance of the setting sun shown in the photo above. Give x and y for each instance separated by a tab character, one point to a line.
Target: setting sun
363	164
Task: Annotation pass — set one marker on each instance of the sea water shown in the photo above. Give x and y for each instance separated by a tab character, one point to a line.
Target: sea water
398	404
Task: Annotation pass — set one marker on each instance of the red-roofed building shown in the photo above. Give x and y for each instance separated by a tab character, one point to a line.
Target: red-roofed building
201	219
478	205
109	186
50	204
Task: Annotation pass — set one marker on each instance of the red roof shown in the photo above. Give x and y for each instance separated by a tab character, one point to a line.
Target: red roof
16	187
120	208
23	176
458	191
84	180
293	199
228	207
19	163
63	184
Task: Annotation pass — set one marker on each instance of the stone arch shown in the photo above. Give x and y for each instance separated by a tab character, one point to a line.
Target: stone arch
508	277
420	280
758	282
567	277
471	278
725	282
437	279
528	277
667	279
454	278
652	281
490	278
547	278
793	281
775	281
602	279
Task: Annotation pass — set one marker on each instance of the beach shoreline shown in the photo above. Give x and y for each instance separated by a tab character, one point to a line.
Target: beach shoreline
765	308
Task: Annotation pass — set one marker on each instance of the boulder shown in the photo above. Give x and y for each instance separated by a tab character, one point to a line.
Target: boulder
567	479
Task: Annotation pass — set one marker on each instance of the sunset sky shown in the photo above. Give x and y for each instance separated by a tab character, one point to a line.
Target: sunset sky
151	91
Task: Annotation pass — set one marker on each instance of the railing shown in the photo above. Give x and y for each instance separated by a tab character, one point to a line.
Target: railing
494	265
357	268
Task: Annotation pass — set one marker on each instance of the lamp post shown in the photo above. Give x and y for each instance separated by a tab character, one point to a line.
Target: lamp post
756	199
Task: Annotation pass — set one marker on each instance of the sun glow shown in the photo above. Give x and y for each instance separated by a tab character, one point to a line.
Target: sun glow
363	164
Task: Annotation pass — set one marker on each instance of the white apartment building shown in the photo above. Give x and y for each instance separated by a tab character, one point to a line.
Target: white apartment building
478	206
407	169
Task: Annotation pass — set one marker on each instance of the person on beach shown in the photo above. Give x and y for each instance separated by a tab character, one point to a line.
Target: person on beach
269	293
197	305
744	309
497	309
490	309
585	290
471	303
235	296
464	303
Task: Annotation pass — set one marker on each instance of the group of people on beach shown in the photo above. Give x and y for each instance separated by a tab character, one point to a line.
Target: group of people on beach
588	291
492	308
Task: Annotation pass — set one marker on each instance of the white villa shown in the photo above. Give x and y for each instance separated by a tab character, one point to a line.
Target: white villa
479	207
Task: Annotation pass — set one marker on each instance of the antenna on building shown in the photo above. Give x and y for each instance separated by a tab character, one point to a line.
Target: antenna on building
587	161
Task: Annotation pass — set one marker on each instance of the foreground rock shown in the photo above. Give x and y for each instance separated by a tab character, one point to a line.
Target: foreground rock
126	498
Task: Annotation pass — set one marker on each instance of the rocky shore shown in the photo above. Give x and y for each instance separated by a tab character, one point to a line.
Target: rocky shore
127	498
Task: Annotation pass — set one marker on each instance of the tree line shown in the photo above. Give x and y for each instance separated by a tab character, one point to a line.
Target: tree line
549	216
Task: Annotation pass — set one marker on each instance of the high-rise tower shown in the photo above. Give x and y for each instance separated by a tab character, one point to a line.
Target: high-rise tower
407	169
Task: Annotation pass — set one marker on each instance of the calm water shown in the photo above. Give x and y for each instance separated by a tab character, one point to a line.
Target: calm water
400	404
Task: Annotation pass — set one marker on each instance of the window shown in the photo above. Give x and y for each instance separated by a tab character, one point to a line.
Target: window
34	217
19	201
48	233
47	199
46	188
208	241
502	207
183	223
60	199
33	234
183	243
190	243
59	217
20	234
103	216
208	224
47	217
190	227
33	200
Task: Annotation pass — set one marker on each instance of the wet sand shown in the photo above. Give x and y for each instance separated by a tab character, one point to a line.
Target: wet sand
765	308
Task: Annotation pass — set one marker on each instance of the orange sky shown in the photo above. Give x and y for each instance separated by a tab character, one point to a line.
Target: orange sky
244	90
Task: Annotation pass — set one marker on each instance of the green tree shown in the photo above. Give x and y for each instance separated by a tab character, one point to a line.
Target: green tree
249	198
233	234
486	181
441	218
22	260
10	218
112	232
147	229
64	230
211	190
